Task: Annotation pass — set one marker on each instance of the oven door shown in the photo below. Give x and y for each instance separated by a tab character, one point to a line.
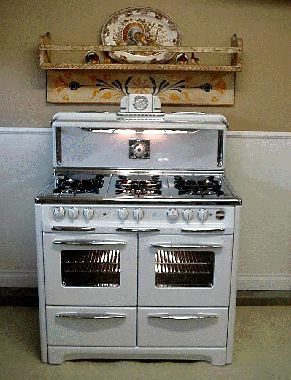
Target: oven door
179	270
91	269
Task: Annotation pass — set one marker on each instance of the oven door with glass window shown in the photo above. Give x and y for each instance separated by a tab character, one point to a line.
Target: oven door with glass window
183	270
91	269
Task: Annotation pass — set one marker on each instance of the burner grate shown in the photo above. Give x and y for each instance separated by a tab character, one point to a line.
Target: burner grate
203	187
73	186
150	186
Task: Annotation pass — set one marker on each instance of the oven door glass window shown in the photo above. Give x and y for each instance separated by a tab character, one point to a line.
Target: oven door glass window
191	269
93	268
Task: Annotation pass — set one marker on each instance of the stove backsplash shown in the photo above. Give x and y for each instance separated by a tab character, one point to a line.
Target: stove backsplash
196	149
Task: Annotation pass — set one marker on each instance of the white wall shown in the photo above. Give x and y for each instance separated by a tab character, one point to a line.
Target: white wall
25	166
258	165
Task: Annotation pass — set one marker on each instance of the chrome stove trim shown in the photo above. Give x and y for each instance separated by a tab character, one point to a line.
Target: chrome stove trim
131	171
185	246
75	315
182	317
58	145
72	229
45	199
89	242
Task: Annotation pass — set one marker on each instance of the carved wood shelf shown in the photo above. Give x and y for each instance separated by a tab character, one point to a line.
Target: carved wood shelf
60	90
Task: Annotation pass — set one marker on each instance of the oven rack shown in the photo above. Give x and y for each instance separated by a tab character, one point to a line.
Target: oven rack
96	268
184	269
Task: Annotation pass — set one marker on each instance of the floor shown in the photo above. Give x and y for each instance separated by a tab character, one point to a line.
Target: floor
262	352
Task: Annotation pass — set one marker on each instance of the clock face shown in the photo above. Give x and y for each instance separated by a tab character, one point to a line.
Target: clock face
140	103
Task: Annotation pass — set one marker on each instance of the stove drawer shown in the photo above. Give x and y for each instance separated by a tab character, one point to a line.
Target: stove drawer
91	326
182	327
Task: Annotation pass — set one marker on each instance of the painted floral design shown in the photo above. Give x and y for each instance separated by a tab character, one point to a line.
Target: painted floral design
172	88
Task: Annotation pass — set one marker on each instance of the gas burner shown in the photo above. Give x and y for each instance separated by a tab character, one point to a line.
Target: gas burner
137	187
69	185
203	186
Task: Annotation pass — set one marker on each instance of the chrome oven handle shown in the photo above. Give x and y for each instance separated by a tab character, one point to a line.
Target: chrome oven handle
90	316
89	242
129	229
72	229
183	317
206	229
185	246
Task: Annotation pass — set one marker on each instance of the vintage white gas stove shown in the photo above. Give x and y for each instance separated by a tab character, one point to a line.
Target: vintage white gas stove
137	237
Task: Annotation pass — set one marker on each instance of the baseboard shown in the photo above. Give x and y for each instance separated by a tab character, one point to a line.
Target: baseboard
18	279
258	281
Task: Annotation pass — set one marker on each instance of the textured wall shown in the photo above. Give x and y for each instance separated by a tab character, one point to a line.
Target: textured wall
261	93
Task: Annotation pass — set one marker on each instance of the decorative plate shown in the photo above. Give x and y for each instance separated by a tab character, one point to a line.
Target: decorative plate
141	27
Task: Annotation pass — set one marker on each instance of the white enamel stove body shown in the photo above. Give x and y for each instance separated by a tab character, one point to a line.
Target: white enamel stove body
137	280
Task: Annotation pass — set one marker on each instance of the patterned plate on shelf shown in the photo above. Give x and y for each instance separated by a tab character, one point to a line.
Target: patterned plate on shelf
141	27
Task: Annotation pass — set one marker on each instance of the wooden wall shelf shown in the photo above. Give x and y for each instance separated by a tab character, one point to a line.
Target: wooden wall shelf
212	84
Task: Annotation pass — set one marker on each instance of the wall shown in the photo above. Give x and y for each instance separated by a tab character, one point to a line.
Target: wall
25	168
258	165
262	92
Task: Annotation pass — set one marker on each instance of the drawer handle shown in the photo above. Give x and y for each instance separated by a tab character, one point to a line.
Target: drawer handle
185	246
90	316
208	229
129	229
183	317
72	229
89	242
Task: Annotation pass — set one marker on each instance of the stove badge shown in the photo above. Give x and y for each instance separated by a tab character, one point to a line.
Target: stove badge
139	149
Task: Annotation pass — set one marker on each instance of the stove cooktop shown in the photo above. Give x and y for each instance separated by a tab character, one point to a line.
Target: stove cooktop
86	188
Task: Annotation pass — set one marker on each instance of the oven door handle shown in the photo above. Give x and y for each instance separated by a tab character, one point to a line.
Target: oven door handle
206	229
90	315
72	229
129	229
183	317
89	242
185	246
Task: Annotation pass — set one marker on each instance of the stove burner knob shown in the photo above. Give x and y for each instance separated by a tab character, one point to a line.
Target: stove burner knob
88	213
73	213
202	214
123	213
138	214
220	214
188	215
59	212
173	214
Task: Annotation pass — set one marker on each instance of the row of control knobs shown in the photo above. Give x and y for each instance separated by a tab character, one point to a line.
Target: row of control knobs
73	213
173	214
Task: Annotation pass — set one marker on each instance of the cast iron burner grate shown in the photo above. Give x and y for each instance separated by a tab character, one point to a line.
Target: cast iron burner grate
203	187
69	185
150	186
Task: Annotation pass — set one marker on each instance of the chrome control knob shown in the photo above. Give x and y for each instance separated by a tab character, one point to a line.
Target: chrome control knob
88	213
138	214
188	215
202	215
59	212
73	213
173	214
123	213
